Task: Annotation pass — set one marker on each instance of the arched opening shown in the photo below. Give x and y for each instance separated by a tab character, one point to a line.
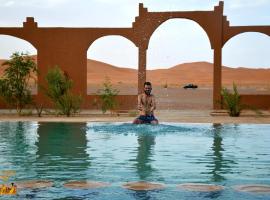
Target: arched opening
10	45
179	54
246	63
114	58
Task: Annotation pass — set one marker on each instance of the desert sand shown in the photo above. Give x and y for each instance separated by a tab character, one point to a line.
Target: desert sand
200	73
168	83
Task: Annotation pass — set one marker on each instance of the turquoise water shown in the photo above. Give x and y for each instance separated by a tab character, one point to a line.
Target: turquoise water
117	153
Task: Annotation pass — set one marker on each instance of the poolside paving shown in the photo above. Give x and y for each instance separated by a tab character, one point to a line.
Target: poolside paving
85	184
182	116
143	186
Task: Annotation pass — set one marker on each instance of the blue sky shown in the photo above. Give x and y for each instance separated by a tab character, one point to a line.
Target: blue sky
175	41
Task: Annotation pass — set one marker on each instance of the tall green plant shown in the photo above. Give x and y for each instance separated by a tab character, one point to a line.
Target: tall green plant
107	95
59	91
231	101
14	85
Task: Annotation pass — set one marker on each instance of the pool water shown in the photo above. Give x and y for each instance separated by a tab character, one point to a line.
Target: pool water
117	153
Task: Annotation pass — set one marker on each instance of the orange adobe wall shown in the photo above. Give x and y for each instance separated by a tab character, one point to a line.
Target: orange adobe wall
67	47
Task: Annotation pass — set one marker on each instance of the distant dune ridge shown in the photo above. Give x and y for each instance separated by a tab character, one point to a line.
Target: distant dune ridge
197	72
249	81
200	73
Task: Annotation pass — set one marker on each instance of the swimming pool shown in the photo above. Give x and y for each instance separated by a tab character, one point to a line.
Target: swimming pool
116	153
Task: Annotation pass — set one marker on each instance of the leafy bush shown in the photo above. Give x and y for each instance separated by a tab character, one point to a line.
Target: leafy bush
231	101
107	95
59	91
39	109
14	86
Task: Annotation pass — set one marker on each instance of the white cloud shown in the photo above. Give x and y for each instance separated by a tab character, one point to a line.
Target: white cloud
11	44
56	2
235	4
111	2
172	47
8	3
32	3
247	50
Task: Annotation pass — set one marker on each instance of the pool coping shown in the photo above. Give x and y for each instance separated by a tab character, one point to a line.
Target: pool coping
182	116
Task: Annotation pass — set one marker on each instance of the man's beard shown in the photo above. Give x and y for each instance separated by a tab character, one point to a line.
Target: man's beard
147	92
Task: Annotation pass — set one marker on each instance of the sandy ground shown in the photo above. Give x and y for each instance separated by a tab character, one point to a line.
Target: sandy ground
174	104
175	97
182	116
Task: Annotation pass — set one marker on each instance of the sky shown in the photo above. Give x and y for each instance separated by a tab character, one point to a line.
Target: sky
176	41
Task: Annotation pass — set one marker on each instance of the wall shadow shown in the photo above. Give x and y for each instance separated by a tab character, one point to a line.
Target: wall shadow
62	150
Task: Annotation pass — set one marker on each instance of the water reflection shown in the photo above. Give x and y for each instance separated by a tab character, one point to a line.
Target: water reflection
217	153
62	150
143	165
142	195
210	195
18	147
220	165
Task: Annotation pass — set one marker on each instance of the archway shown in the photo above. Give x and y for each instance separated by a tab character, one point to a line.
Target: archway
180	53
10	45
116	58
246	57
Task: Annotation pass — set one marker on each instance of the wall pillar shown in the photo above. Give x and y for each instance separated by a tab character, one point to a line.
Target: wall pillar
217	78
74	63
141	69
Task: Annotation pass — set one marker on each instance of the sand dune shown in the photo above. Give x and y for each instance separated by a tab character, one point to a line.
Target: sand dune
97	71
200	73
249	81
197	72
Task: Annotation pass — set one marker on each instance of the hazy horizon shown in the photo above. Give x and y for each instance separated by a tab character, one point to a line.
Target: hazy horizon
132	67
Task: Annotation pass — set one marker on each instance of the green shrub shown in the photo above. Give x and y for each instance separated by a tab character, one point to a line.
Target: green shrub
107	96
39	109
59	91
69	103
14	86
231	101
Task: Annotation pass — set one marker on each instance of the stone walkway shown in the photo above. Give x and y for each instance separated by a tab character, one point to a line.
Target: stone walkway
182	116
